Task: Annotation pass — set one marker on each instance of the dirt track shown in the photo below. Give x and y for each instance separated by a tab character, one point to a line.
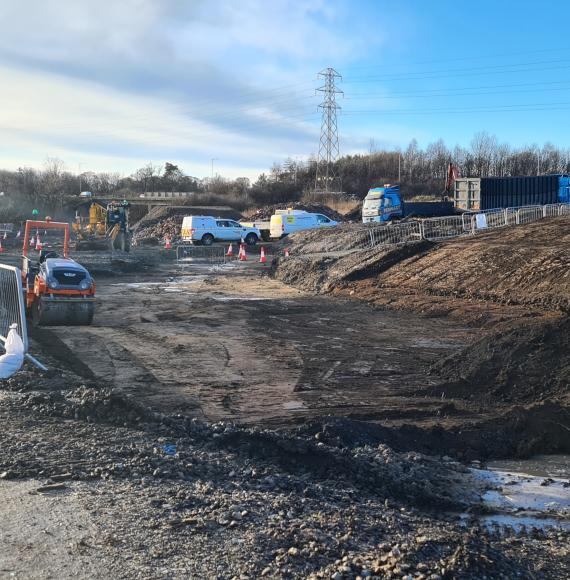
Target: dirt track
236	345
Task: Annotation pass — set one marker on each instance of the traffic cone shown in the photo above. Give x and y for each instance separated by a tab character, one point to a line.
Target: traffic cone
230	251
167	244
242	254
38	243
262	258
286	252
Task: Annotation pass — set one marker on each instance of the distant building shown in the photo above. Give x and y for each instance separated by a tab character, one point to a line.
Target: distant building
165	194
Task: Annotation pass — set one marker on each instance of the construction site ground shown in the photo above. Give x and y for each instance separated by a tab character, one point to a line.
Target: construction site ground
330	373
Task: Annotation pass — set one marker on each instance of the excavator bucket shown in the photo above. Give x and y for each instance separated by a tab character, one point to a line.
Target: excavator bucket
48	311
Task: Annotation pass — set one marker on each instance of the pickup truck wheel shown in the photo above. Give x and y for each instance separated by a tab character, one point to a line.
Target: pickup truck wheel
251	239
207	239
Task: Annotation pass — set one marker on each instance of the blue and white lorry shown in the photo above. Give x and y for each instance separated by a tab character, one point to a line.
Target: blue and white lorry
382	204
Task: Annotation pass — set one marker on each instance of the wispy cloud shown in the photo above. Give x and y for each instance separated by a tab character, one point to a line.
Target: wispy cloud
143	79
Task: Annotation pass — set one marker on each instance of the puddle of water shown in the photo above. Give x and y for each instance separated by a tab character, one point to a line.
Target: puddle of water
242	298
521	499
295	406
175	285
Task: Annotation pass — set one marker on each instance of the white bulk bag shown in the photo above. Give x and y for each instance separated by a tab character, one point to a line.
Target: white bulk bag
12	361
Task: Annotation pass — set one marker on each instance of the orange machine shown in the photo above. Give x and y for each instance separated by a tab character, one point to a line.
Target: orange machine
58	290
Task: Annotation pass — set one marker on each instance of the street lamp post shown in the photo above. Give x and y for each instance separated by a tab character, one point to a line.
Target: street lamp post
212	160
79	165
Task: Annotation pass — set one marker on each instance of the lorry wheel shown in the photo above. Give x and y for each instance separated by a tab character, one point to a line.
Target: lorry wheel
207	239
251	239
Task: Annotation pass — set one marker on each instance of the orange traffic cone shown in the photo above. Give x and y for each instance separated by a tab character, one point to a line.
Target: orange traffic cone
167	244
262	258
38	243
286	252
242	254
230	251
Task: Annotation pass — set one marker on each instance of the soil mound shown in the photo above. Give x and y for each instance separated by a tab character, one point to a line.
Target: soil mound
526	266
325	274
527	362
264	213
354	215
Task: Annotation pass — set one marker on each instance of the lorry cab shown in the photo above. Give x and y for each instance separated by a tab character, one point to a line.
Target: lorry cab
206	230
288	221
382	204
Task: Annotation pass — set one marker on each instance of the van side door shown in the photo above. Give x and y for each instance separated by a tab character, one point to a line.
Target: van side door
224	230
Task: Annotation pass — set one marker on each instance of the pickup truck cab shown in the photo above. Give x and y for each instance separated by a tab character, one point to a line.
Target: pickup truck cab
287	221
206	230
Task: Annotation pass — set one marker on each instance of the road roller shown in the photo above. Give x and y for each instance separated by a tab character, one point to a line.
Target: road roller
58	290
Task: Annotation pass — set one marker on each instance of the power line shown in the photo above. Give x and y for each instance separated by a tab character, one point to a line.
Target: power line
463	58
460	94
475	71
327	179
472	109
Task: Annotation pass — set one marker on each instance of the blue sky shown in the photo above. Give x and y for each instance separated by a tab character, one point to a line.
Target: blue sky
113	85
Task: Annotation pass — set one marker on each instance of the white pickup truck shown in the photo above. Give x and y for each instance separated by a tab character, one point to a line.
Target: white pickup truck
206	230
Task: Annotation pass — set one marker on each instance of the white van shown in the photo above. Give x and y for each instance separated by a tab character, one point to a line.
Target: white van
206	230
287	221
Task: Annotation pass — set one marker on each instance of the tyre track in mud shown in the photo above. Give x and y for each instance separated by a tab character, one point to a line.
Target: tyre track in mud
202	361
236	346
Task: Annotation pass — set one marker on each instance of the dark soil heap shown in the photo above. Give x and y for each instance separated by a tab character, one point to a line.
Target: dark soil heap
525	362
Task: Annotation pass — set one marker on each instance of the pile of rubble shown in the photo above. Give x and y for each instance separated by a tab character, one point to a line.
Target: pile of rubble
255	502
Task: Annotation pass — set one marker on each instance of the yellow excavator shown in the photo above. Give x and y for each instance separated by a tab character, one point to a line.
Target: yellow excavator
107	227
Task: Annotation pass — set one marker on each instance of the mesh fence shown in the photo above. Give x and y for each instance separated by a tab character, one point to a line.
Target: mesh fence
207	254
442	228
12	309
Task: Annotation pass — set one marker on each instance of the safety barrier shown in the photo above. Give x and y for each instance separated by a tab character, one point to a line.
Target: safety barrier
12	307
186	254
397	234
469	223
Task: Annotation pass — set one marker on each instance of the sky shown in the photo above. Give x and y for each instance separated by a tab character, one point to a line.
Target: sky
231	84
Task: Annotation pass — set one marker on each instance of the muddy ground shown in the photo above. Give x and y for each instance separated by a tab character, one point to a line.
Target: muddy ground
325	403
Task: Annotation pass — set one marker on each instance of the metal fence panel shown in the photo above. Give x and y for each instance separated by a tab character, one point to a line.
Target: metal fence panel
12	307
394	234
208	254
526	215
444	227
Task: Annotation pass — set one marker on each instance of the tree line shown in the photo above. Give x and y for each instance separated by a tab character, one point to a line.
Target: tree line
424	170
418	170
